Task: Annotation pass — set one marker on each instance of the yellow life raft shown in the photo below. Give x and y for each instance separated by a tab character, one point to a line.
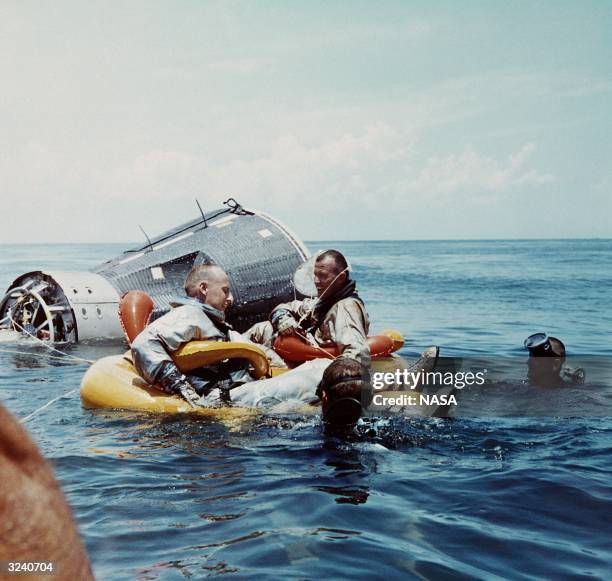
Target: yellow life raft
113	382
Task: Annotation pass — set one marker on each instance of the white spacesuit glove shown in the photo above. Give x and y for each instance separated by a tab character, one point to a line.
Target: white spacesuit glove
287	325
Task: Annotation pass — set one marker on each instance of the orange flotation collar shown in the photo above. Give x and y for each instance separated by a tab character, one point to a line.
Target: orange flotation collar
295	350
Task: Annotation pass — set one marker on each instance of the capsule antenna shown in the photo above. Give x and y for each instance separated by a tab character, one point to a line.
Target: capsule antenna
202	212
148	239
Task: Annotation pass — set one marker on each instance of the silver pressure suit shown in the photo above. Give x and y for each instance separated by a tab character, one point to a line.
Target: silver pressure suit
195	321
345	324
190	320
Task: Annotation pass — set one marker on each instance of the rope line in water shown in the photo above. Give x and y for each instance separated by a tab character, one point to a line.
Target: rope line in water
64	356
40	409
44	344
78	360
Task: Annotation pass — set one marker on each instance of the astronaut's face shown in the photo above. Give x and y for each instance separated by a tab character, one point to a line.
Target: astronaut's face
326	277
216	290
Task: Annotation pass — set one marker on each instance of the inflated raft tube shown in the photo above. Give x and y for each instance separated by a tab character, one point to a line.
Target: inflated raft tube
201	353
113	382
294	350
135	310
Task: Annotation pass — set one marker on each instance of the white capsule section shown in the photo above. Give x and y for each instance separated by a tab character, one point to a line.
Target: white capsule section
61	306
94	302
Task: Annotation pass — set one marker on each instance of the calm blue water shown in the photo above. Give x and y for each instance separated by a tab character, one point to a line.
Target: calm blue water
522	497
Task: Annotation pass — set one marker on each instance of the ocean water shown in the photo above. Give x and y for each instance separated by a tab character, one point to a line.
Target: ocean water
522	497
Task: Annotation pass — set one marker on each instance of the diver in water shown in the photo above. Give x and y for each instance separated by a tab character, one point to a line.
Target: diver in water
337	314
546	365
344	391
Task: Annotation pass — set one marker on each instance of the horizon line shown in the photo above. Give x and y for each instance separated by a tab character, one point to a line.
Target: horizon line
314	240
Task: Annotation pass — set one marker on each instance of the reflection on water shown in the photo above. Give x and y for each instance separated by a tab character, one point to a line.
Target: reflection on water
346	495
348	467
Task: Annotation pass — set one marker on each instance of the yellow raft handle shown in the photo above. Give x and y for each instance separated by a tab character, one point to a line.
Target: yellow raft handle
200	353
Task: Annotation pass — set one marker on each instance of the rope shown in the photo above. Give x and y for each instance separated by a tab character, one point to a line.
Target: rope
16	352
40	409
318	299
44	344
305	337
64	355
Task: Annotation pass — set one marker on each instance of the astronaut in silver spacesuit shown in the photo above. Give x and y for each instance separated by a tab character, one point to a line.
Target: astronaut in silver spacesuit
337	315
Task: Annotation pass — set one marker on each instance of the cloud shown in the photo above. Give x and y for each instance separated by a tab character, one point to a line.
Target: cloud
471	172
349	164
241	66
380	160
497	92
380	165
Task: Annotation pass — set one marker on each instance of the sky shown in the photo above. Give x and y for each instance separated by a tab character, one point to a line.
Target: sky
345	120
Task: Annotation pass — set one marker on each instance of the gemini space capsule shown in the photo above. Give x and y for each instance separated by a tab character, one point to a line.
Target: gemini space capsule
259	254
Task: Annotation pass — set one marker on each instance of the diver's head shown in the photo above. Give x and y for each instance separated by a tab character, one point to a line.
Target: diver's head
541	345
343	389
209	284
546	357
330	273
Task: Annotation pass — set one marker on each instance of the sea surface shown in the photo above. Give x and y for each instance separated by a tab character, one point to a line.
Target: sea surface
523	496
